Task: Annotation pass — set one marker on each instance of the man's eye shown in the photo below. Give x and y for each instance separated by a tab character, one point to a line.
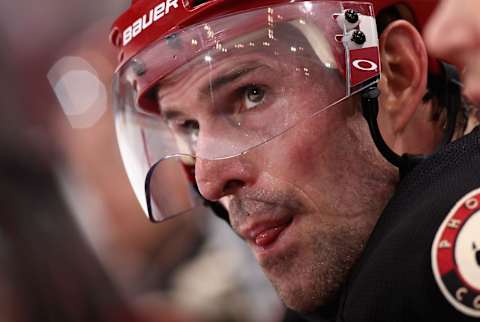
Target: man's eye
253	95
191	125
189	130
188	126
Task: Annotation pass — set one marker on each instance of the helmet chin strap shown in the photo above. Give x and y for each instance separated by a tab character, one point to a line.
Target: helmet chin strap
406	162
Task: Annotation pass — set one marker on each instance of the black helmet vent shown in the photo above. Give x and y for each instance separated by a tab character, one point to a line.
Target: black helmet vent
192	4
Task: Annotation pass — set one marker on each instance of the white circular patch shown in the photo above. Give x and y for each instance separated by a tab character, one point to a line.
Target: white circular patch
467	251
456	255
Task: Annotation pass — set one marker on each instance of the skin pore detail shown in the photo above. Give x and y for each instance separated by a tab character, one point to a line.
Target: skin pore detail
228	104
327	235
277	63
319	223
305	127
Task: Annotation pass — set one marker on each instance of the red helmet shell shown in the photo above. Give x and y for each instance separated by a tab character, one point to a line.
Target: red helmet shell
147	20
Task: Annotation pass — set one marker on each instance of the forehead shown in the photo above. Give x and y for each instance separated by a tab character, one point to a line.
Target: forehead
288	46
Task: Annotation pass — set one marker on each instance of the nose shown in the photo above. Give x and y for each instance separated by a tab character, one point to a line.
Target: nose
220	178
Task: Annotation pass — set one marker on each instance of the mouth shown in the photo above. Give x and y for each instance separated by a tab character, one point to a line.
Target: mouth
263	235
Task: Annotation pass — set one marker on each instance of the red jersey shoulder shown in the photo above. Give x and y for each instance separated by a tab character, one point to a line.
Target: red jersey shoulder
456	255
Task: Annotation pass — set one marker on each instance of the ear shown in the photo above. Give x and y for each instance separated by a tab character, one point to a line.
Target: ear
403	81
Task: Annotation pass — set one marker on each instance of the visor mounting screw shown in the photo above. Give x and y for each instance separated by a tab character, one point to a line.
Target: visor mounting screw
173	41
351	16
170	37
359	37
138	67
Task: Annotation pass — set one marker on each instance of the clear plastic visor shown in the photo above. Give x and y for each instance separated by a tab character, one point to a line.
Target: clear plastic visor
219	89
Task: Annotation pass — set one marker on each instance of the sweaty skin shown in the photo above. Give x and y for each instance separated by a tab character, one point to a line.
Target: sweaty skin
333	211
322	181
304	184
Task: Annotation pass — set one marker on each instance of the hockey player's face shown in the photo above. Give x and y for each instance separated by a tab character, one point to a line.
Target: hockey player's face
306	201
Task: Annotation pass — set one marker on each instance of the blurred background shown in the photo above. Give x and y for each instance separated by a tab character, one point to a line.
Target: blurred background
74	243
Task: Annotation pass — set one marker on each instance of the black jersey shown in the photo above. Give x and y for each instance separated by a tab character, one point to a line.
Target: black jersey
394	279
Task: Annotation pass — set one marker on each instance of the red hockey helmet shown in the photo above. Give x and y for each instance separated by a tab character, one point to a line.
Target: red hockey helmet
210	80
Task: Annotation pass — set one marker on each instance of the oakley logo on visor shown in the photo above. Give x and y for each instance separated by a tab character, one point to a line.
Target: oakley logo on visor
364	64
143	23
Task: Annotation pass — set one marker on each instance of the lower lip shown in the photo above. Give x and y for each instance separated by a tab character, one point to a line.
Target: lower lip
266	240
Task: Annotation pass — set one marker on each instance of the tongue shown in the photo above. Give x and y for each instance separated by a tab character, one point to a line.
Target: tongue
269	236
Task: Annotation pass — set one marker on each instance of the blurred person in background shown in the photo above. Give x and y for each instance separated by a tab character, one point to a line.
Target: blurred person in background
51	272
48	272
453	34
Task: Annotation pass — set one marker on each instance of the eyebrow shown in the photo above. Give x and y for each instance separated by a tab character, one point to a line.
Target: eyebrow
223	80
214	85
170	114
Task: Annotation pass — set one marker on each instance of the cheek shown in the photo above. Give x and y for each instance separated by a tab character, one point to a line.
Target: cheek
305	156
310	148
329	162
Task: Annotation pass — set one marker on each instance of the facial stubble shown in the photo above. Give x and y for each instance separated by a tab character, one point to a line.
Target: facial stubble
310	273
